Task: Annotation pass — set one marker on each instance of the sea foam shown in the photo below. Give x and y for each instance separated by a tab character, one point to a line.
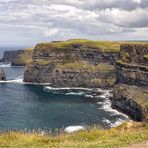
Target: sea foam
74	128
5	65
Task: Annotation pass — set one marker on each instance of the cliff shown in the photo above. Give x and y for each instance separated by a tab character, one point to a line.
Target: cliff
18	57
131	91
73	63
132	68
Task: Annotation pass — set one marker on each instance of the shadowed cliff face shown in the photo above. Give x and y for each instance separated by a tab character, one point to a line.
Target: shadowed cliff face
130	93
75	65
9	56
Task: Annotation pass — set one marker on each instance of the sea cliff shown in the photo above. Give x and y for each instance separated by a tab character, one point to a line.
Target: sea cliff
73	64
131	89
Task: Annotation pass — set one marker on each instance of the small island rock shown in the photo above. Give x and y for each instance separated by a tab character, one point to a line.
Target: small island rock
2	75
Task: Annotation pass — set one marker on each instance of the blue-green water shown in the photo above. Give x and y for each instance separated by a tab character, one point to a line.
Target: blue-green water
26	106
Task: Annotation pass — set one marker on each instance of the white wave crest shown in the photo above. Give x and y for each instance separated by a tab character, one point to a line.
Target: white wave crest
74	128
5	65
67	88
106	105
75	93
13	81
115	124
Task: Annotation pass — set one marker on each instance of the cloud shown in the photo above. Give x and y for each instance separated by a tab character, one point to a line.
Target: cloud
34	21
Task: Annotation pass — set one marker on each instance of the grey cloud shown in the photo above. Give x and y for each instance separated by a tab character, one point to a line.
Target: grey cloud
39	20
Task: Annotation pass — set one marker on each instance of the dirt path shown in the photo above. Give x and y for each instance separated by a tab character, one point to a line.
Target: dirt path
143	144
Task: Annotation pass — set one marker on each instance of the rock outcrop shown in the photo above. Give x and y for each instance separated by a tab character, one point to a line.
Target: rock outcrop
65	64
131	91
131	100
2	75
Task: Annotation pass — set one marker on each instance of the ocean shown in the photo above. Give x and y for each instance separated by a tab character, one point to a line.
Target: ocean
25	106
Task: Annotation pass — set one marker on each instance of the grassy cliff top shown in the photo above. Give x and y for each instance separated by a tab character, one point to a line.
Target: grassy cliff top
105	46
125	134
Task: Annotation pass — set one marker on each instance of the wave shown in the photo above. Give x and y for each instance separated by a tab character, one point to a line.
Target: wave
115	124
5	65
67	88
106	105
75	93
13	81
21	81
74	128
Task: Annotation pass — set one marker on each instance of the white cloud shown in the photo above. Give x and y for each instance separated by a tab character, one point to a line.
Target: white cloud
40	20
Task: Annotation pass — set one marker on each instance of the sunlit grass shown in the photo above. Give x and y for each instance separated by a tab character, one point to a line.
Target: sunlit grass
105	46
125	134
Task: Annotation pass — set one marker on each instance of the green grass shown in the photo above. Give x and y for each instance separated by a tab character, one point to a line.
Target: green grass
43	61
104	46
30	48
82	65
123	135
24	58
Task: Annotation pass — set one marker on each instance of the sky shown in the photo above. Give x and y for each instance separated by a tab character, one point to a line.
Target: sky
27	22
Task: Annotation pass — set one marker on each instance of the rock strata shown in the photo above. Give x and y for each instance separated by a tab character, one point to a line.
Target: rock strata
75	65
131	100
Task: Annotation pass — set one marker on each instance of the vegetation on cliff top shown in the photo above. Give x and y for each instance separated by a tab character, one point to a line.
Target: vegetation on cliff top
104	46
107	46
127	133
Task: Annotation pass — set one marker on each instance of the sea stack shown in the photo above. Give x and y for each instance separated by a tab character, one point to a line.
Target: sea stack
2	75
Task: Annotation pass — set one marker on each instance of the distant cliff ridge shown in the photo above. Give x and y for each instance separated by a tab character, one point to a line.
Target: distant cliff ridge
9	56
18	57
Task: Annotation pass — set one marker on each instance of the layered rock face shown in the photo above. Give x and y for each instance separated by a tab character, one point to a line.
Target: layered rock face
68	77
17	57
74	66
132	68
131	100
73	53
2	75
131	91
